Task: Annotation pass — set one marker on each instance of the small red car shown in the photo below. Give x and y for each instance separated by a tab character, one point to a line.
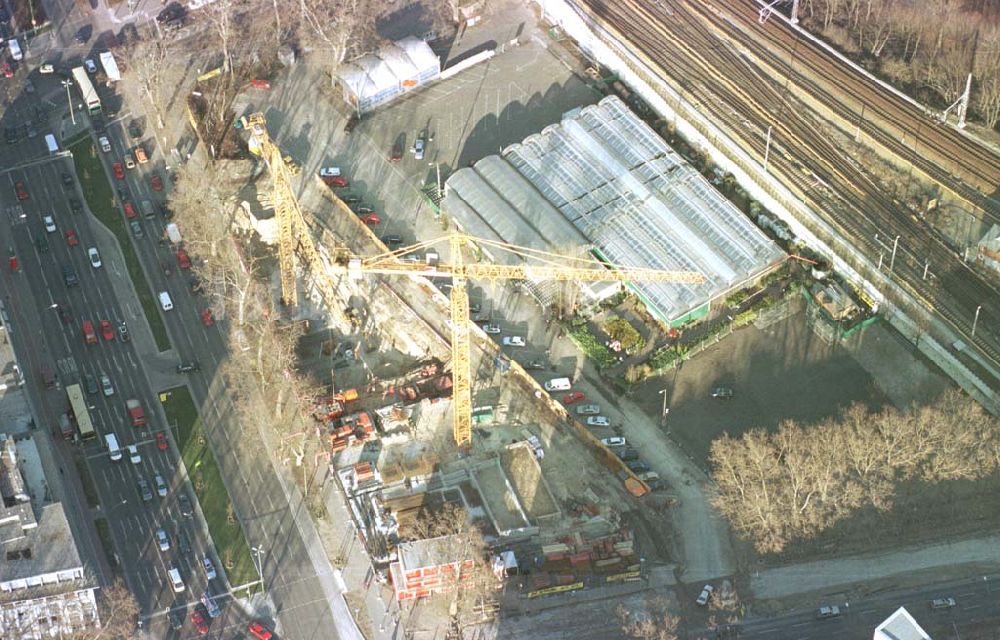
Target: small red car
7	71
88	332
22	193
161	441
107	331
183	261
338	182
199	622
206	317
119	170
370	219
260	84
71	239
129	210
573	396
156	182
259	631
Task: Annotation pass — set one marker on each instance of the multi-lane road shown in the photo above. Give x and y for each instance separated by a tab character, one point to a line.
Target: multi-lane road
300	585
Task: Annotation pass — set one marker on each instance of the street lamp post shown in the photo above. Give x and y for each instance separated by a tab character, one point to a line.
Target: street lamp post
69	100
892	260
257	551
665	410
767	148
975	320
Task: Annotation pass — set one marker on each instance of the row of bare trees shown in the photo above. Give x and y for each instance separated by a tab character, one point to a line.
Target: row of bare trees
776	488
925	45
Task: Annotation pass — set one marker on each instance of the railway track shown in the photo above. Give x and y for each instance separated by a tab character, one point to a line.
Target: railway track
956	160
681	46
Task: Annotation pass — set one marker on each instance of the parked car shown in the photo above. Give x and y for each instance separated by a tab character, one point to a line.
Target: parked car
198	620
156	182
176	618
706	593
637	466
183	261
827	612
209	567
161	486
598	421
259	631
397	151
188	367
722	392
418	149
90	66
613	441
491	327
574	396
942	603
588	410
513	341
210	606
627	454
162	540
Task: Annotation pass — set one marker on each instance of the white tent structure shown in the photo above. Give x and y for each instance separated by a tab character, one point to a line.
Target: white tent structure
375	79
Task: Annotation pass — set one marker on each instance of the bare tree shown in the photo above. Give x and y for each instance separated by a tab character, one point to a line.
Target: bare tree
655	623
119	613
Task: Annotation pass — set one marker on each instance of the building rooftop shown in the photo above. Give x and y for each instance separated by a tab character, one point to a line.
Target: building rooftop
45	554
427	553
900	626
603	181
52	616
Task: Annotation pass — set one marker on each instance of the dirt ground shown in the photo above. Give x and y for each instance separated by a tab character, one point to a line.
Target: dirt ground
784	372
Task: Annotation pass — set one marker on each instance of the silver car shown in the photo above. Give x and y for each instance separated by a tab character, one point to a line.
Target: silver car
162	540
588	410
598	421
161	486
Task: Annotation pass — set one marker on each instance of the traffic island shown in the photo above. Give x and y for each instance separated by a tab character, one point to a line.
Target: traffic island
102	203
216	506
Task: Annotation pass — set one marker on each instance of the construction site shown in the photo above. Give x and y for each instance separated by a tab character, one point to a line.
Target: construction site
422	411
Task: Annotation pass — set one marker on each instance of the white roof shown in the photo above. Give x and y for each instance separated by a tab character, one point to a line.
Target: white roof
900	626
603	180
371	74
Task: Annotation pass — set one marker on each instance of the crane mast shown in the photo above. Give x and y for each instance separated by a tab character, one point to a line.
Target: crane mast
293	234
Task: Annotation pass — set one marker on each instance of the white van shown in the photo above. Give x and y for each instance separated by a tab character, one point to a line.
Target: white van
165	302
113	449
50	142
175	579
558	384
15	49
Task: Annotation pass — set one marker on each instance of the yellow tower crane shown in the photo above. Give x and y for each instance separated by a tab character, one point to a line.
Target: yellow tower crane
543	266
293	232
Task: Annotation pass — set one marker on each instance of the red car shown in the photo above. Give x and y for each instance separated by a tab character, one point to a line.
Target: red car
199	622
129	210
107	331
259	631
119	170
161	441
206	317
573	396
397	152
370	218
183	261
260	84
88	332
156	183
7	71
71	239
338	182
22	193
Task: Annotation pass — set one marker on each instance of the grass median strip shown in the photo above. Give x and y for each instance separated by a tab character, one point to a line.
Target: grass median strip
232	547
102	203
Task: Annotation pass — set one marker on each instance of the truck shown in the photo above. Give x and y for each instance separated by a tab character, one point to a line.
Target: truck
173	233
110	66
147	208
135	412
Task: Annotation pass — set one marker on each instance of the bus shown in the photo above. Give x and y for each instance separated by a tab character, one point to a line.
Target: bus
80	413
87	90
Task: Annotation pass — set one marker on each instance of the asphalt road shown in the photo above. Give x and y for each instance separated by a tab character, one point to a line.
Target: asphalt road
55	339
